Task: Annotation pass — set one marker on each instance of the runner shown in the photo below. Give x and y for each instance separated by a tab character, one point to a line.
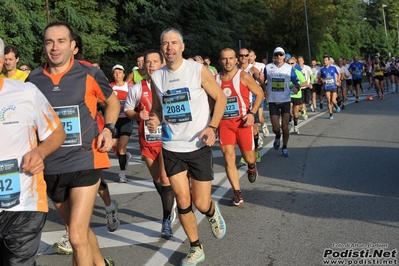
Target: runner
151	144
238	119
278	75
296	95
180	101
329	77
378	72
73	172
124	125
356	69
27	117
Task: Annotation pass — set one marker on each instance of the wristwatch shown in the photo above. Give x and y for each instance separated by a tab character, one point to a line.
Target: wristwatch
111	127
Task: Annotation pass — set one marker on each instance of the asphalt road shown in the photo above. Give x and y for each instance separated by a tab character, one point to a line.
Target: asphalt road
336	197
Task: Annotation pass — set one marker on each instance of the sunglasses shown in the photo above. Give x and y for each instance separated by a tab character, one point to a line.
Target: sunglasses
243	55
24	69
278	54
291	63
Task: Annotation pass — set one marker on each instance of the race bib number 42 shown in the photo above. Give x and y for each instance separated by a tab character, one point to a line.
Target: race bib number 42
70	119
10	183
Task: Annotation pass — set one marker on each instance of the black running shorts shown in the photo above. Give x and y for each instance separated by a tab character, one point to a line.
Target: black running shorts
279	108
199	163
58	186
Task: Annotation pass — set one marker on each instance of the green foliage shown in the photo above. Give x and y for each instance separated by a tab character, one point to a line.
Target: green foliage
116	31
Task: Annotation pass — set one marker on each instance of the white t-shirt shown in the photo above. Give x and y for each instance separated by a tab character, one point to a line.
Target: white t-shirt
25	117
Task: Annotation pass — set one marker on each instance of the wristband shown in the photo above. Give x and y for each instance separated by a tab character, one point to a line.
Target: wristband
213	128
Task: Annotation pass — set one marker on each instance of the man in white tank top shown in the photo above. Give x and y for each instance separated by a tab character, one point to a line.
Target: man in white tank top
180	101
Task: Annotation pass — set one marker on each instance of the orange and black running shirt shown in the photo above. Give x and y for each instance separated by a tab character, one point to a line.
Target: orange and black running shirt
73	95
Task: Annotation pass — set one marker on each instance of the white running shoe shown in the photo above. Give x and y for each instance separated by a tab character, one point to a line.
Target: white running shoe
122	177
112	218
296	130
63	246
260	142
265	131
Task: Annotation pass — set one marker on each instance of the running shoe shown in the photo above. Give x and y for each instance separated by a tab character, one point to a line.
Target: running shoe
237	199
195	256
315	108
305	117
343	107
285	152
331	116
296	130
112	218
260	142
166	228
242	162
338	109
252	174
276	144
382	96
312	108
109	262
258	158
265	131
217	223
122	177
63	246
128	156
357	101
173	213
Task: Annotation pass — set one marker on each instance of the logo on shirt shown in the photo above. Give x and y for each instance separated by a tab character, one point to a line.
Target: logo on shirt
56	88
173	80
7	112
227	92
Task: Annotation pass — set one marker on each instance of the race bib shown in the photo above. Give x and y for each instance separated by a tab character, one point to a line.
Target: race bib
278	84
176	106
152	137
232	109
10	183
122	110
70	119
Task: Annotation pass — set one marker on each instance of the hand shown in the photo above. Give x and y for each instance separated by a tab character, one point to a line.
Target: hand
104	140
152	123
144	114
295	90
208	136
249	120
32	162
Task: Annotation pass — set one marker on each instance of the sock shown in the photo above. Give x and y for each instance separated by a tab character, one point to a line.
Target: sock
122	161
167	197
111	207
251	166
158	187
196	243
284	146
296	121
278	135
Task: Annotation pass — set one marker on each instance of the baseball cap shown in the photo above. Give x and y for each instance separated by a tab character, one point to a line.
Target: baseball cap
318	63
118	67
287	56
279	50
332	60
393	57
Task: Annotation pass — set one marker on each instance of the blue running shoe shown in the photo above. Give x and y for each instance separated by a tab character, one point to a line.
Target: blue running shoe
338	109
331	116
276	144
285	152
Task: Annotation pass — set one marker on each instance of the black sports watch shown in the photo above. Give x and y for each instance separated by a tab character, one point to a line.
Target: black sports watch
111	127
